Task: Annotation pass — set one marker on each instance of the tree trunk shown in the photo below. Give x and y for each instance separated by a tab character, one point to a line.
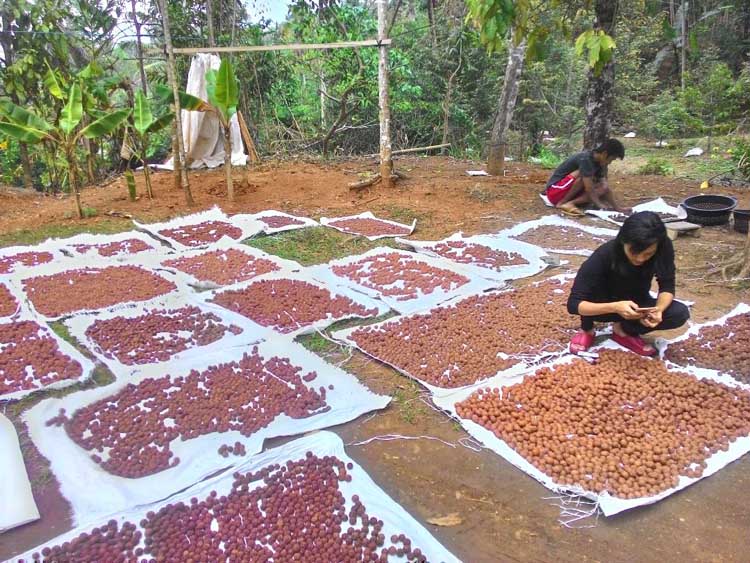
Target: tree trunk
683	37
506	105
146	172
177	172
600	88
227	130
28	179
431	19
171	75
139	48
386	161
73	179
210	22
447	100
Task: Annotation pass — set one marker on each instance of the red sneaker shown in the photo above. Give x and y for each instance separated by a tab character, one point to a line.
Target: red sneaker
635	344
581	342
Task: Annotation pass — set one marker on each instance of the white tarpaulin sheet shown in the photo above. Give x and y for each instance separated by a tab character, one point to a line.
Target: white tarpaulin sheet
268	216
248	228
201	283
331	222
201	131
305	276
43	331
87	247
532	254
423	301
563	223
250	333
26	262
657	205
520	367
17	506
662	345
609	504
377	503
94	492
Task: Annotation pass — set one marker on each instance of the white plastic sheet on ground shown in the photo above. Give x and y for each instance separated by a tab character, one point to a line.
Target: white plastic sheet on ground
18	506
72	265
522	366
377	503
662	346
186	278
248	227
93	492
78	325
330	222
68	245
20	269
305	275
43	330
657	205
556	221
609	504
531	253
201	131
325	274
268	230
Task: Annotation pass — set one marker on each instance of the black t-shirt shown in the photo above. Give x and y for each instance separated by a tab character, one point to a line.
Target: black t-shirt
600	281
583	161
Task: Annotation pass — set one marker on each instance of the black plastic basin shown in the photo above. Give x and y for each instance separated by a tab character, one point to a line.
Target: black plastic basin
709	209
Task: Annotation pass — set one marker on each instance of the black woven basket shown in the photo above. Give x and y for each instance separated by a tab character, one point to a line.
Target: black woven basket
741	218
709	209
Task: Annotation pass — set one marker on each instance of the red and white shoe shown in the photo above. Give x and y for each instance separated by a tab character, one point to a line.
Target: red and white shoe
581	342
635	344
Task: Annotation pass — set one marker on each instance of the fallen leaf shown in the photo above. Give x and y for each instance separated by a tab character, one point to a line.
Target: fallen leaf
452	519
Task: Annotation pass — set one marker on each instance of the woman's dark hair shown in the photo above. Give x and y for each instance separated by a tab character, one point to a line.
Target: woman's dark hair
640	231
613	148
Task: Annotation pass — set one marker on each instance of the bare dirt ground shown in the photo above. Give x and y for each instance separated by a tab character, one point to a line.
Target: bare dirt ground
498	513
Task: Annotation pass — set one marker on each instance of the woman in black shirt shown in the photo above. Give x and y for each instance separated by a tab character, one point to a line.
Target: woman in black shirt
613	286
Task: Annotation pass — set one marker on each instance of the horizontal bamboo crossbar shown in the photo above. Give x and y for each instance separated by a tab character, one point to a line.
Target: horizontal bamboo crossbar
287	47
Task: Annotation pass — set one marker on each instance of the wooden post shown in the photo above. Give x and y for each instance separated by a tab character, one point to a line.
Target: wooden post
180	156
684	38
210	22
386	162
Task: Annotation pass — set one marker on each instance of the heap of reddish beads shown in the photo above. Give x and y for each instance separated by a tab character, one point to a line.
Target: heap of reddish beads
398	276
223	267
31	359
93	288
202	233
280	221
109	543
370	227
8	263
8	303
562	238
286	305
137	425
109	249
478	255
157	335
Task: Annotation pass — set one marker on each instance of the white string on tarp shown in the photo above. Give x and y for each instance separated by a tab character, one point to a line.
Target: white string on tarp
467	442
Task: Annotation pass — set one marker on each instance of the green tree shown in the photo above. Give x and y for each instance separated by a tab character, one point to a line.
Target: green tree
223	95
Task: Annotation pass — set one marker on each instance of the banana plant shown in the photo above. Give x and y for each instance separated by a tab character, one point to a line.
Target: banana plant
20	124
144	123
223	90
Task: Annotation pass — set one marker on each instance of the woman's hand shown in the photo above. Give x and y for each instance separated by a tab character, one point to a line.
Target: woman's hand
628	310
653	319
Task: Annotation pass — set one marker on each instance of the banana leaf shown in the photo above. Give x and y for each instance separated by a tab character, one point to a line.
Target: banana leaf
223	89
54	83
187	101
22	133
23	117
160	123
105	125
142	116
72	112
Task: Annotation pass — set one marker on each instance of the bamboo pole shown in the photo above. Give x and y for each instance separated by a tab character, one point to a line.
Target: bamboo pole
287	47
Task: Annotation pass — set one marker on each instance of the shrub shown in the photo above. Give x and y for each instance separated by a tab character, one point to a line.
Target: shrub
657	166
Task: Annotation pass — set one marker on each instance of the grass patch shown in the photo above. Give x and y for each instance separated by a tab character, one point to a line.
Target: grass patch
317	344
68	229
656	166
406	400
402	214
316	245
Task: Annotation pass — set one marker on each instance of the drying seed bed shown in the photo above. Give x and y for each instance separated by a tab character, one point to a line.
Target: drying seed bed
477	255
369	227
129	434
725	348
624	425
279	221
93	288
31	359
474	339
562	238
8	303
117	248
287	305
291	512
398	276
202	233
223	267
158	335
9	263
